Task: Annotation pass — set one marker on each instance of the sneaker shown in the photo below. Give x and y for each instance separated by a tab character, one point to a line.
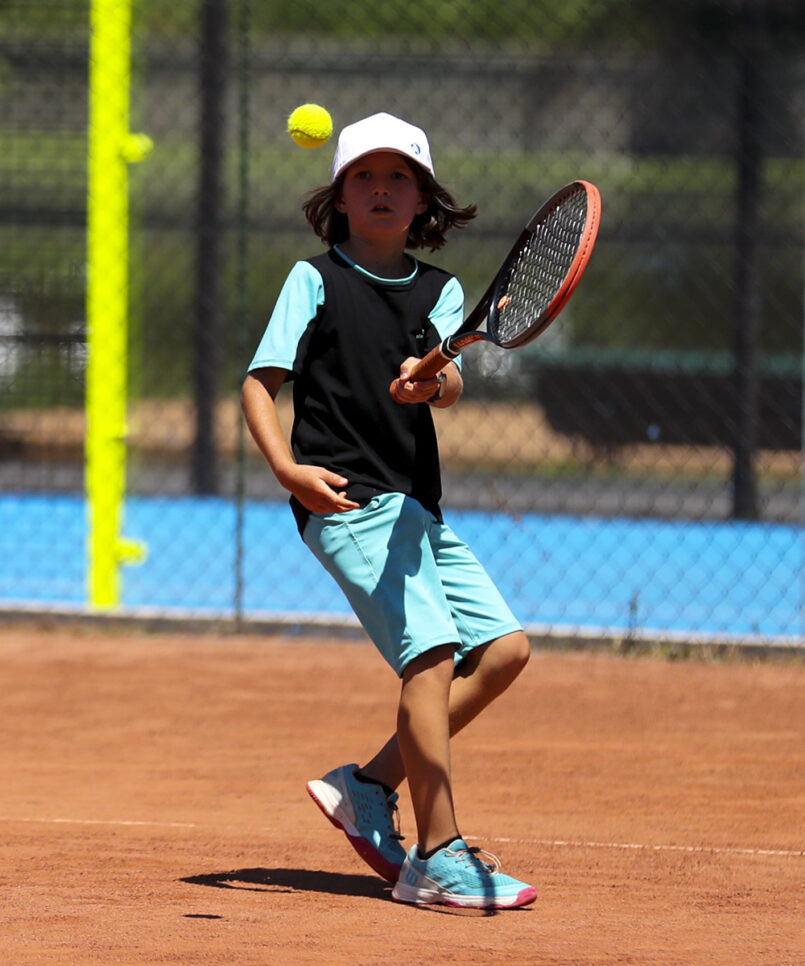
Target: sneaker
457	876
365	814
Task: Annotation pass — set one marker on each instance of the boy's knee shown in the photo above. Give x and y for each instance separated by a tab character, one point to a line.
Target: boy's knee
509	654
518	651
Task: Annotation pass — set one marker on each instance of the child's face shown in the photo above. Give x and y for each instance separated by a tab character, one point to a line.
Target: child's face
380	195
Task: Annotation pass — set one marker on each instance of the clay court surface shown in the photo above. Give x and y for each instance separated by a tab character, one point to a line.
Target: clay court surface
153	807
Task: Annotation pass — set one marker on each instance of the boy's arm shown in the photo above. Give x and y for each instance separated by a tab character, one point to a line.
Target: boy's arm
316	488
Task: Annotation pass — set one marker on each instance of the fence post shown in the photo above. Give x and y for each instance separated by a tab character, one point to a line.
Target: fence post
749	162
111	148
210	196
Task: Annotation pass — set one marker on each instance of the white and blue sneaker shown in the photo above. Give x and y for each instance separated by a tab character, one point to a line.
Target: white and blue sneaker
457	876
367	816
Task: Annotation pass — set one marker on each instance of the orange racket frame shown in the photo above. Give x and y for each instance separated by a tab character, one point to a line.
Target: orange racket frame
528	249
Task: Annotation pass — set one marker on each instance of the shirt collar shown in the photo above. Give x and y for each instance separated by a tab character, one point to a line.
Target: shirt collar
377	278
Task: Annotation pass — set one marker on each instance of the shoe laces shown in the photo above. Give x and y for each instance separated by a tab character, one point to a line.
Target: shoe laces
376	809
394	816
475	853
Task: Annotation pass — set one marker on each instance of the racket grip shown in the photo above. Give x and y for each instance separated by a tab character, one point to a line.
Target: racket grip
428	367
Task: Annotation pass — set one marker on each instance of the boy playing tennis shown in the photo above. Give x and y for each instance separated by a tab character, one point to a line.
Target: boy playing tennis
365	488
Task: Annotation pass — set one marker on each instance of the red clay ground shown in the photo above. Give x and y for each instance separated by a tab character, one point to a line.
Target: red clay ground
153	808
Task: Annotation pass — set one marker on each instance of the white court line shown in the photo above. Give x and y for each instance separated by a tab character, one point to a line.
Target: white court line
98	821
552	843
707	849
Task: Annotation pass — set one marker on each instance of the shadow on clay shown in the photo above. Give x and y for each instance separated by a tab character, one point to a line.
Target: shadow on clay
308	880
294	880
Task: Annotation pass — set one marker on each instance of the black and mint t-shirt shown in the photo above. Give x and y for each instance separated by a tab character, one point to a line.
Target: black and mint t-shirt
342	333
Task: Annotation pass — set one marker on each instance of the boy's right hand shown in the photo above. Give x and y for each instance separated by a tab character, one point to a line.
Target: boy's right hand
319	490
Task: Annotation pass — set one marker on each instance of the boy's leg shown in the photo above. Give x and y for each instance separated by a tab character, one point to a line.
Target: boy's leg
366	811
442	868
482	676
423	735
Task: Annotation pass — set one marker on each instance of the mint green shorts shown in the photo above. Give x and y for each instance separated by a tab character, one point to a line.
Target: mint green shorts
411	582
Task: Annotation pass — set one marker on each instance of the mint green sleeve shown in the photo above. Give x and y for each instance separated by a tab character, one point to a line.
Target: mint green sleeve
300	299
448	313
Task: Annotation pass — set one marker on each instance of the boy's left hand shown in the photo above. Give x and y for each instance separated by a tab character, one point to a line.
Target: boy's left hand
406	391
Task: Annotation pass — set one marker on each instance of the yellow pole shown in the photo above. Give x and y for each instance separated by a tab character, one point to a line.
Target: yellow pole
111	148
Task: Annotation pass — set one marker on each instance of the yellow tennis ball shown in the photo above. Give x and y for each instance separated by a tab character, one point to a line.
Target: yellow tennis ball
310	126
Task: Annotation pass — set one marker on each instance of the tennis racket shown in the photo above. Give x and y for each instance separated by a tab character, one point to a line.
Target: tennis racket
534	283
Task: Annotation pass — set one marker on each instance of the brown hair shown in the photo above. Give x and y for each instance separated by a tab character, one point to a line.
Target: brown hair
427	230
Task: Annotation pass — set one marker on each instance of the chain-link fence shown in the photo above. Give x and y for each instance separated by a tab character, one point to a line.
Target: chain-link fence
636	471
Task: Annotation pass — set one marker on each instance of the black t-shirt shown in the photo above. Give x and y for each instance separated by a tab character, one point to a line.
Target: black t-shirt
346	358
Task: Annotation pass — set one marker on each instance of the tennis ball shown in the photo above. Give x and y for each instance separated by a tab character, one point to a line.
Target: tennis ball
310	126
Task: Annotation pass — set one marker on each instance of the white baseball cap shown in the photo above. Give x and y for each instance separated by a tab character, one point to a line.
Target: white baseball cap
381	132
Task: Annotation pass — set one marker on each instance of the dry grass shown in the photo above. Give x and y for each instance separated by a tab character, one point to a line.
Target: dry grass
491	434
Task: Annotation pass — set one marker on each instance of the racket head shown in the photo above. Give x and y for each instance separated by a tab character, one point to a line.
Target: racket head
545	265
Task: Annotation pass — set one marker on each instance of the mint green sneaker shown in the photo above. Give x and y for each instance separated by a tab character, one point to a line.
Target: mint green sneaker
368	818
457	876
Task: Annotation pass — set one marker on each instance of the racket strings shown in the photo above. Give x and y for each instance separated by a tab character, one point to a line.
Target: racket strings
541	268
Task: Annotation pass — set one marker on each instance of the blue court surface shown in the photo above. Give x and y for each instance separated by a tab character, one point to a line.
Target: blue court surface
560	574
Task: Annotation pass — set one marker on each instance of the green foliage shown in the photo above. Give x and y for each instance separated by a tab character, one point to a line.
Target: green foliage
537	24
62	20
515	21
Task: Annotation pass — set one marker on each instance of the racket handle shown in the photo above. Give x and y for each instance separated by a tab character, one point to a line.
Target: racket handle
429	366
